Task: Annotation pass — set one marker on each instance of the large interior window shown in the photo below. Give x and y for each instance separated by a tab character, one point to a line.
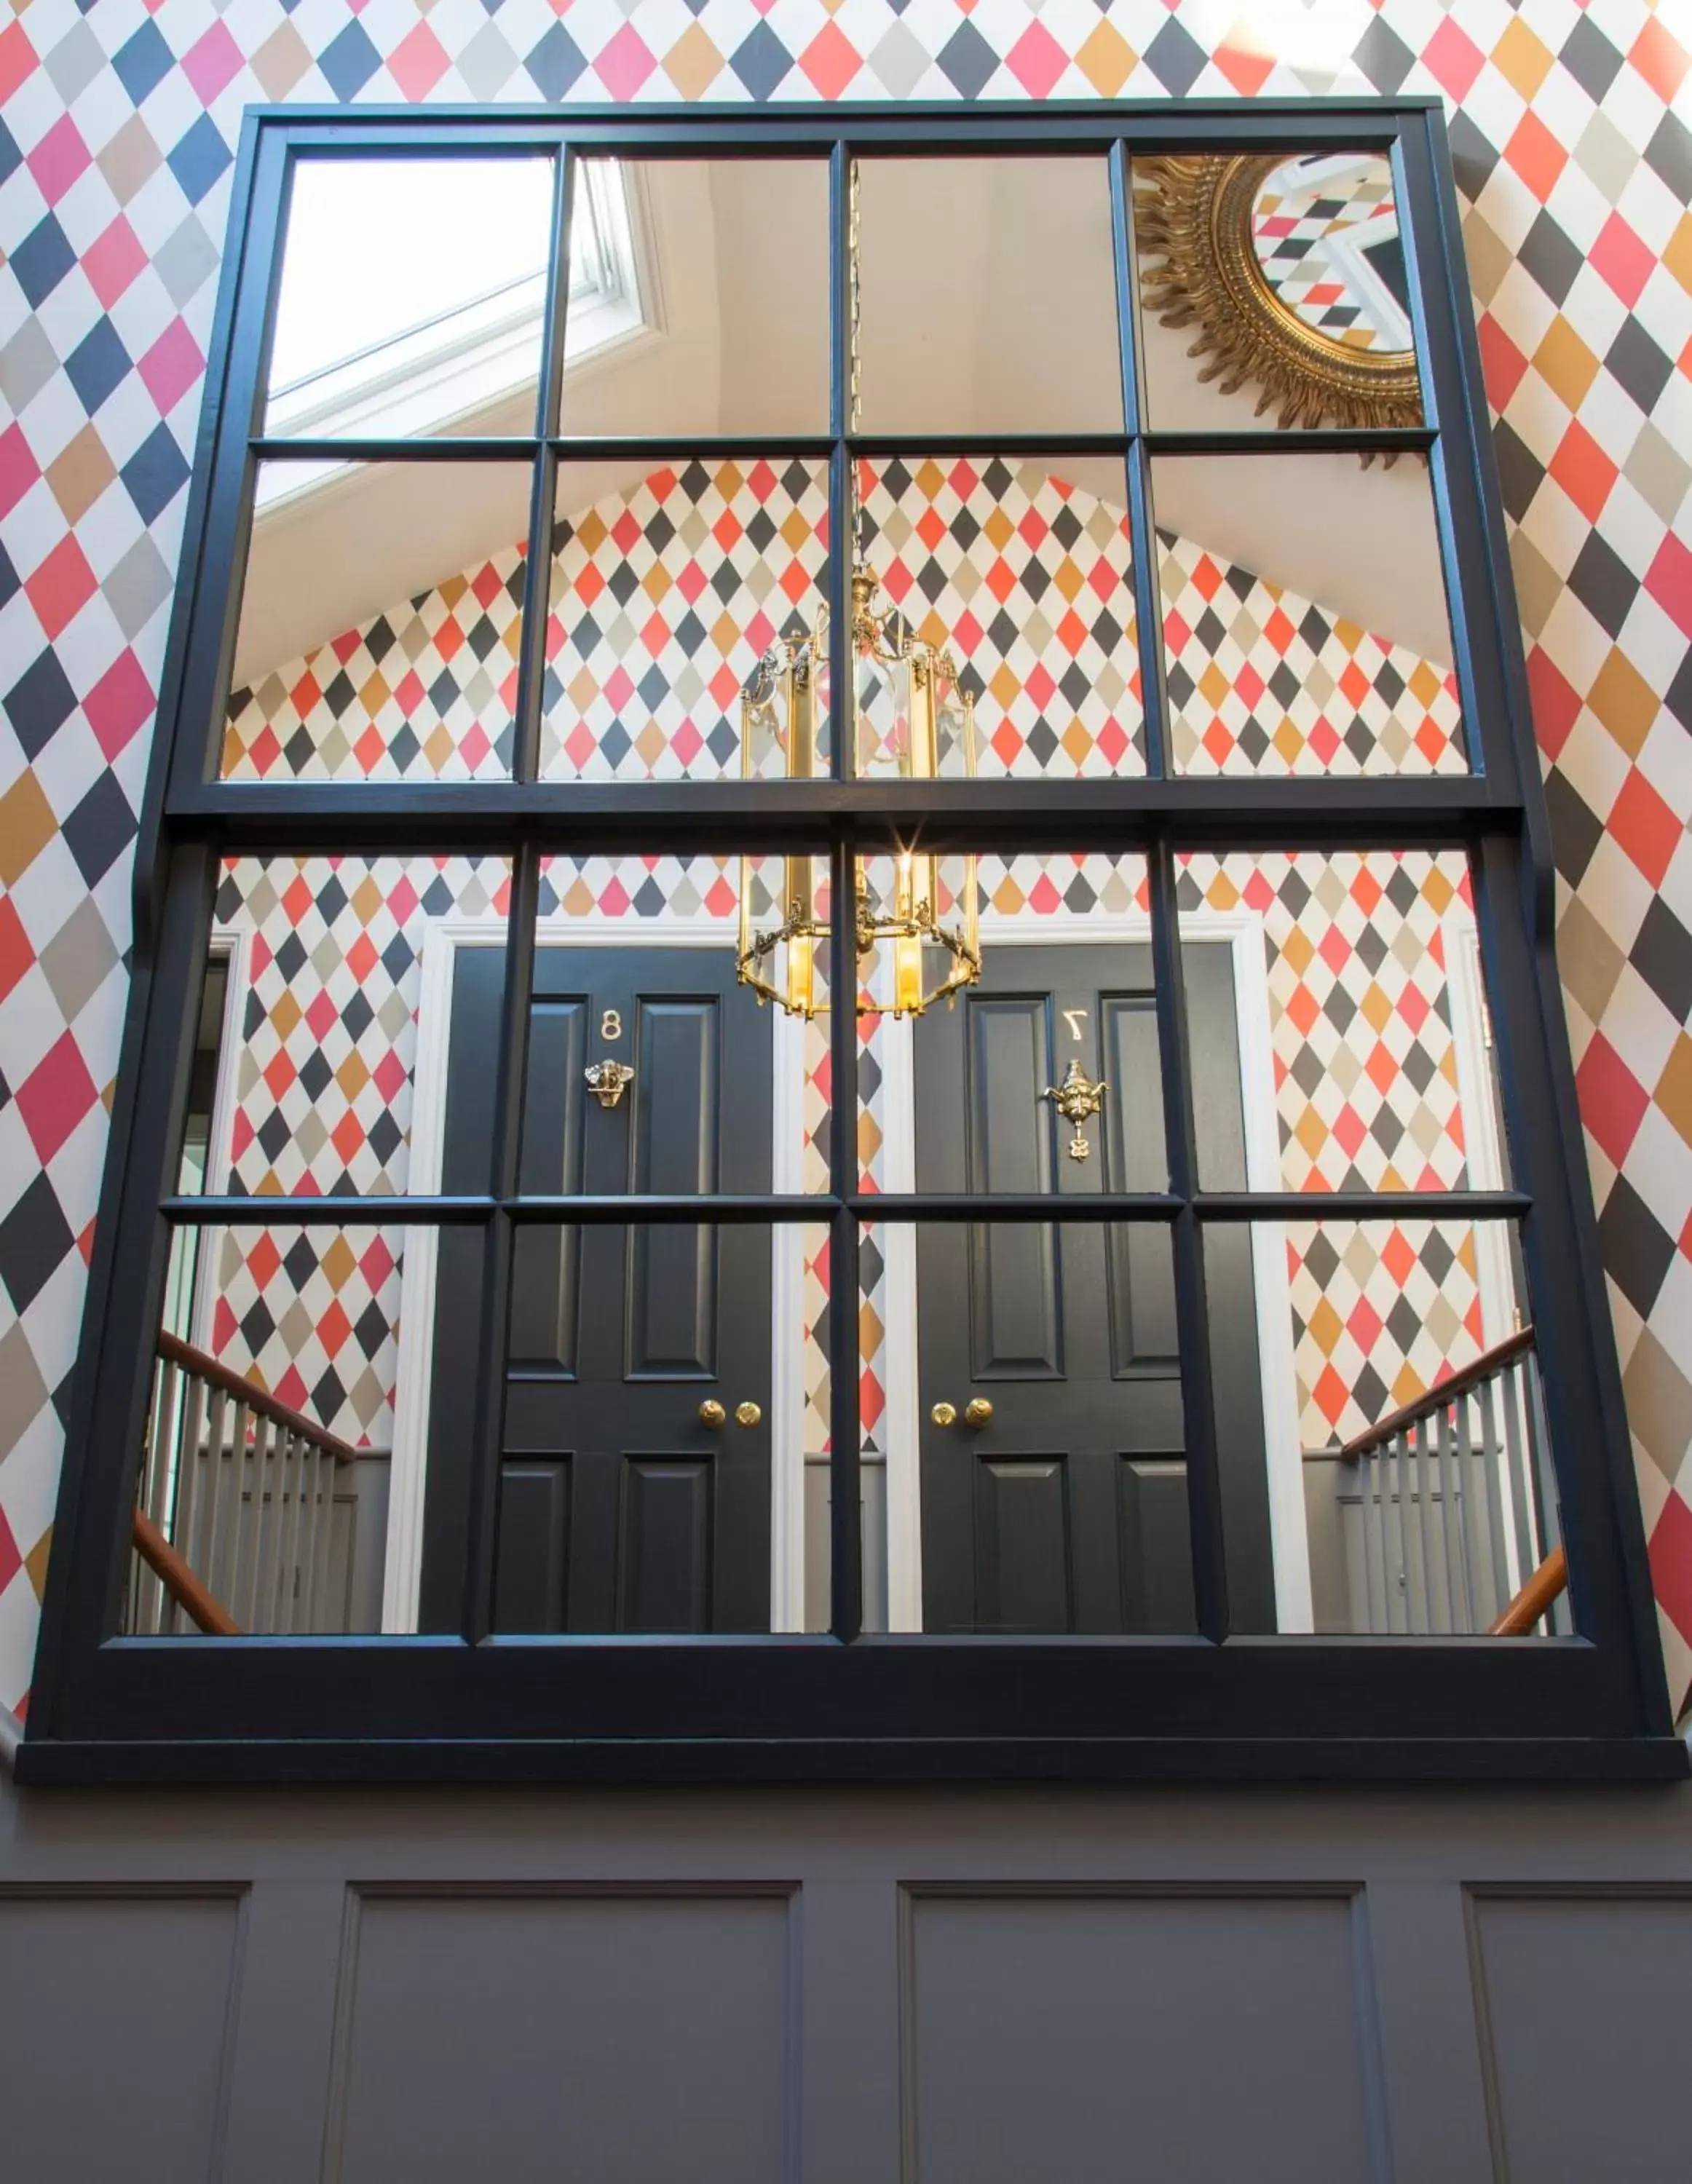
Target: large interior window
845	1058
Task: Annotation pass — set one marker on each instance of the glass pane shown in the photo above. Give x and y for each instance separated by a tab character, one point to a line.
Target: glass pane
290	1426
1021	576
1368	1504
1274	292
1305	629
699	297
334	1038
1041	1072
988	296
412	297
686	607
662	1400
654	1066
1365	1059
1020	1403
381	620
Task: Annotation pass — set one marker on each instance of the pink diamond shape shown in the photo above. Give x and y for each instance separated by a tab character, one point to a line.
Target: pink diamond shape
1454	60
59	157
1669	581
118	703
172	366
624	64
1036	60
111	261
55	1096
211	63
418	62
1621	259
19	469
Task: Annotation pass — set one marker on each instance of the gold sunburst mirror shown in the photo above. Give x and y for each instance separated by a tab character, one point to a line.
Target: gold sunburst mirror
1290	273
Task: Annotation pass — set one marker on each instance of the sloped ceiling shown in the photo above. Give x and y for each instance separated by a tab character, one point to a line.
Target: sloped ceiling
988	303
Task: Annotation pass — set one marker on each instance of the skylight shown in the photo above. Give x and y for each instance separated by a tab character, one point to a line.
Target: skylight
412	291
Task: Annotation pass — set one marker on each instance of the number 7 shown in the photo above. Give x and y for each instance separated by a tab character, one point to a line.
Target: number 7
1073	1017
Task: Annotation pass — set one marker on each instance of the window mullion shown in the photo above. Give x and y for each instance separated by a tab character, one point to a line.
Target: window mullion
846	1578
531	659
1192	1310
511	1067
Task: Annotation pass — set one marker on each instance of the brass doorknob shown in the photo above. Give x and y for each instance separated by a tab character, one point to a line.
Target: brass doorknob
712	1413
978	1412
943	1414
747	1414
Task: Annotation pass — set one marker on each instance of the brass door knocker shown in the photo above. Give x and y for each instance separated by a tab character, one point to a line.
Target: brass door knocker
1075	1099
606	1080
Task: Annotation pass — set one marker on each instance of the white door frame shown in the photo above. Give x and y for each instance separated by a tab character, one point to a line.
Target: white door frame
1289	1541
234	943
444	939
1483	1150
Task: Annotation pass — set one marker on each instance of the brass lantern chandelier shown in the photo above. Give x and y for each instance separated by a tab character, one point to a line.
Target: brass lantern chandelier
911	720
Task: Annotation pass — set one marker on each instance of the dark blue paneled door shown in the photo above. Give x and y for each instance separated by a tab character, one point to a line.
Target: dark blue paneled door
621	1509
1067	1510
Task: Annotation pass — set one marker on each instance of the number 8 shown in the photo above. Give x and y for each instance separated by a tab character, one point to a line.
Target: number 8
611	1025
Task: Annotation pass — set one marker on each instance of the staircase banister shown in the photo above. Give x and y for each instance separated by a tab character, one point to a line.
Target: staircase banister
203	1366
1445	1392
197	1602
1530	1605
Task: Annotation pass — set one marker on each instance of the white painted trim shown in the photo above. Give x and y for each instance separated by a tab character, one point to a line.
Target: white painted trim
1289	1544
234	943
901	1420
442	941
1484	1157
1484	1153
1282	1441
787	1334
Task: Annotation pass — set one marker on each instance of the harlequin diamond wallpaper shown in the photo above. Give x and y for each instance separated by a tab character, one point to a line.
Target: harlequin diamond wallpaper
1575	170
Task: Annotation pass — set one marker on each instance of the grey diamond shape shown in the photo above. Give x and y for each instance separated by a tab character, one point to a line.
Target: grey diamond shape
967	60
761	62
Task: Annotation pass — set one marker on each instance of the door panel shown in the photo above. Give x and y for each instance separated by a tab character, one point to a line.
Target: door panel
1140	1271
1009	1060
676	1123
546	1266
534	1502
671	1312
1015	1315
1022	1544
664	1566
621	1509
1067	1510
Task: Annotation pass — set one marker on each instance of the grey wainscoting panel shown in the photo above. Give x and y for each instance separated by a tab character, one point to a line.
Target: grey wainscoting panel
115	2035
1585	2001
616	2039
1201	2038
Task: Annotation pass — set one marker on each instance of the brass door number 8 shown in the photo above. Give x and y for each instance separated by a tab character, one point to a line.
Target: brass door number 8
611	1025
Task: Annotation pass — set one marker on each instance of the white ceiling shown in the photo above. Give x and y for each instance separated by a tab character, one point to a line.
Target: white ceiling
987	304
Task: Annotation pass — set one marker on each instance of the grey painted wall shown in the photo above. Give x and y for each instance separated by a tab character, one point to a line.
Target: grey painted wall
840	1987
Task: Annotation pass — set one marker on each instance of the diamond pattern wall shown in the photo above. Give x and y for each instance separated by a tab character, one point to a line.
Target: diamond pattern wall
1365	1077
1575	170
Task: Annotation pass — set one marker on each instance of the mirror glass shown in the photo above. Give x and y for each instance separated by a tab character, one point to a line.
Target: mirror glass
412	296
1324	227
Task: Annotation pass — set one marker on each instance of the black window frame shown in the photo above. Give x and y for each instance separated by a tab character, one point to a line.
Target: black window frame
846	1704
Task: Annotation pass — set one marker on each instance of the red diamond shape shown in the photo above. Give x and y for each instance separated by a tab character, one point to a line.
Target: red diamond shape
55	1096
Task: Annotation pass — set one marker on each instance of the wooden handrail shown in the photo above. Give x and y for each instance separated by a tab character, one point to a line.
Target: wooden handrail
206	1367
190	1595
1534	1598
1447	1392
